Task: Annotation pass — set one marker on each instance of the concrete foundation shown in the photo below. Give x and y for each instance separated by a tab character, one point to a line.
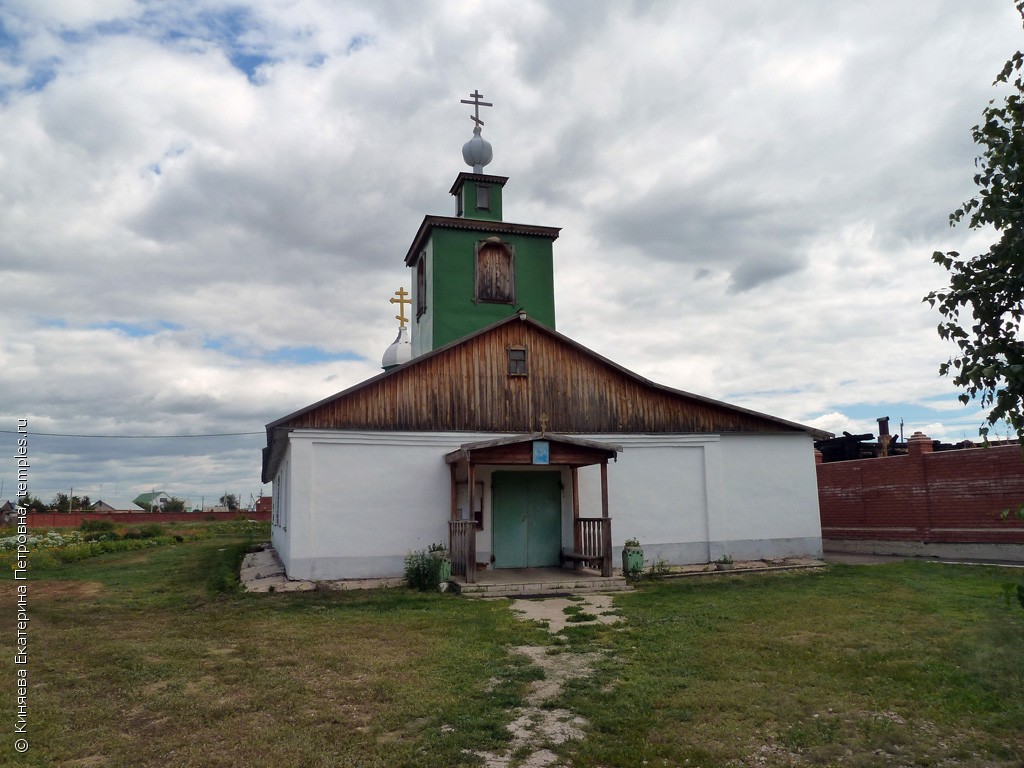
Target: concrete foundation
996	552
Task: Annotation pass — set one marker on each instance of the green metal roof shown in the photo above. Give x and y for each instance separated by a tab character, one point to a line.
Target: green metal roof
145	500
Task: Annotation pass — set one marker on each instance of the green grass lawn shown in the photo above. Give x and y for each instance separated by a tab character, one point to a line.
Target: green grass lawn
908	664
142	659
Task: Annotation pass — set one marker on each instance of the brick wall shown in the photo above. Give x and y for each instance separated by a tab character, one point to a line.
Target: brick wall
74	519
948	497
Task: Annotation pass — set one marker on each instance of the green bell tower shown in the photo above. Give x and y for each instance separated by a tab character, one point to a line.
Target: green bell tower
474	268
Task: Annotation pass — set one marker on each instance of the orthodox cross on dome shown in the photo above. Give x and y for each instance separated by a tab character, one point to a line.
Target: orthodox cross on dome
401	301
477	151
474	99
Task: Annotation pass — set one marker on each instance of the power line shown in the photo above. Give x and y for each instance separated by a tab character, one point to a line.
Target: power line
127	437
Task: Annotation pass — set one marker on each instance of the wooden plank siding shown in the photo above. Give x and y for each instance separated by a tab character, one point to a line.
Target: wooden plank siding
569	389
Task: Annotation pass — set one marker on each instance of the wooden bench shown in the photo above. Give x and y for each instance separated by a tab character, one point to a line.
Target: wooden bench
578	557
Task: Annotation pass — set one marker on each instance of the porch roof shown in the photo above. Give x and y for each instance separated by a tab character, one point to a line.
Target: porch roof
518	449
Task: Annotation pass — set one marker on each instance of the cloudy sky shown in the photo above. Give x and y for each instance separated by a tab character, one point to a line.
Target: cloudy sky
204	206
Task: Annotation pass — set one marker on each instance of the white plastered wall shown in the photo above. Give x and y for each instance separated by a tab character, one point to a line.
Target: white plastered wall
357	502
694	498
768	497
280	521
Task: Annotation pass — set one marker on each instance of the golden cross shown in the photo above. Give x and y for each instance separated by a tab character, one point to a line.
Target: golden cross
401	301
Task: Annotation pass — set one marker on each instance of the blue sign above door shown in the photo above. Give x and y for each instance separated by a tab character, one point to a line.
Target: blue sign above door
541	452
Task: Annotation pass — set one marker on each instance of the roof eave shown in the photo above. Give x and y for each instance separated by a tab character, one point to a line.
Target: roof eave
485	178
455	222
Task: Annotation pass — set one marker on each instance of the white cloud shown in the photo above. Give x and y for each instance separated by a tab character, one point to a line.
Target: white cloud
72	14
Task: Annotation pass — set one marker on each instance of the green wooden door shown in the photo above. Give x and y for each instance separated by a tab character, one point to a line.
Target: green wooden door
544	536
526	510
510	507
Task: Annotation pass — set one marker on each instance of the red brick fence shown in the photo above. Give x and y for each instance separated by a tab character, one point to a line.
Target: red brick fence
929	498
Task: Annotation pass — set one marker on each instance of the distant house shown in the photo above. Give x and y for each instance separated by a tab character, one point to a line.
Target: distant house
6	511
264	504
152	501
101	506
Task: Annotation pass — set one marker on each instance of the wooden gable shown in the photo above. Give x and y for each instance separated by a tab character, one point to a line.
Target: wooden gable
466	386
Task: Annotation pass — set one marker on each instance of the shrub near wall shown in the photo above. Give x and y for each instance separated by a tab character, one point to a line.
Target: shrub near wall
955	497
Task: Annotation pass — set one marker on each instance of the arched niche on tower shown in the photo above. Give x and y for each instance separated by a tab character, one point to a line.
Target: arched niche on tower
495	272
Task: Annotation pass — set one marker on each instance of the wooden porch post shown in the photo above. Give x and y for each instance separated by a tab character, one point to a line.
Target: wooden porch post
471	528
606	528
455	495
604	489
576	544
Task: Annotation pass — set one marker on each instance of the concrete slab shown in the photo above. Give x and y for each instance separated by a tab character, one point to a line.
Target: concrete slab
969	552
866	558
741	566
857	558
263	571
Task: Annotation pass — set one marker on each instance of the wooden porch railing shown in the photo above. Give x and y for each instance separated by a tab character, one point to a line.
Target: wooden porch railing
592	537
462	547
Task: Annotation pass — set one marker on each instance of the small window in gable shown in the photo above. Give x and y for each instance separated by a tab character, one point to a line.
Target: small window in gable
483	197
421	285
495	272
517	361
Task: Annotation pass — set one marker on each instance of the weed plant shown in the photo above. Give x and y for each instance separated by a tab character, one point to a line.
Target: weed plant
423	570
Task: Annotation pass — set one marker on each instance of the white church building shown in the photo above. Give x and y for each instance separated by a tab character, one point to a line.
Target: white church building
516	446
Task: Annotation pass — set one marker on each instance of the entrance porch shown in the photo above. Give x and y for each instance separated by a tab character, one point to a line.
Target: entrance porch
526	507
534	582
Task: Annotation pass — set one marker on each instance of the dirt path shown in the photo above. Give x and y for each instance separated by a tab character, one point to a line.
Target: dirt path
535	728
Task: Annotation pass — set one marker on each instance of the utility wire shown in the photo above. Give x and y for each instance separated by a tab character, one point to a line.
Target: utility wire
127	437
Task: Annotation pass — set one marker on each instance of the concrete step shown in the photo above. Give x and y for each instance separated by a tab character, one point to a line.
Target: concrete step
570	586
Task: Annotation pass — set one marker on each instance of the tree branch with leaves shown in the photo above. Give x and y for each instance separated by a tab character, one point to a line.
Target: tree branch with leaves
983	306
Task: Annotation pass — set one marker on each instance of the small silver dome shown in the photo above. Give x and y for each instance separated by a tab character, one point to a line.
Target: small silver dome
399	352
477	151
